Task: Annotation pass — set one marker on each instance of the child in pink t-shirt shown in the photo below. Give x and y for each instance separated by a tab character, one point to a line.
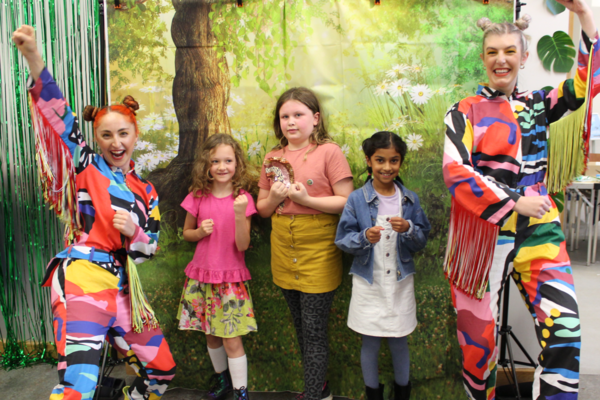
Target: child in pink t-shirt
216	297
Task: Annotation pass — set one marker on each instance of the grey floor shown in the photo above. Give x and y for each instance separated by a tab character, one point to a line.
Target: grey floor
35	383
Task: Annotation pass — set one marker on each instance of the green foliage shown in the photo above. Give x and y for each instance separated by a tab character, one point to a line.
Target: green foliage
274	357
557	49
137	42
554	7
261	35
455	31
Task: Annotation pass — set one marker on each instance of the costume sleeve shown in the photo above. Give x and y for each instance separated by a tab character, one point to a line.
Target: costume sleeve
143	244
56	124
349	236
570	94
482	195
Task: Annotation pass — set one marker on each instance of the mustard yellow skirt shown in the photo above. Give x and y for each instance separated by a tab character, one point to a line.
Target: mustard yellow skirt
304	256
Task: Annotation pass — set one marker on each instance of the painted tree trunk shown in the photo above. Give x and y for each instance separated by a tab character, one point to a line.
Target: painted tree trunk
200	96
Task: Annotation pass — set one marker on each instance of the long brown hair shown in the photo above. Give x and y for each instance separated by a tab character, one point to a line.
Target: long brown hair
201	183
309	99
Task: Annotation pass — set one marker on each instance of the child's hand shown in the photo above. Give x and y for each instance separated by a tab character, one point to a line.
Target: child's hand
278	192
123	223
239	205
374	234
298	193
399	224
206	227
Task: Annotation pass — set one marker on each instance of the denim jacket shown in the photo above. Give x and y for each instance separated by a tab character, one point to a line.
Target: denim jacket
360	214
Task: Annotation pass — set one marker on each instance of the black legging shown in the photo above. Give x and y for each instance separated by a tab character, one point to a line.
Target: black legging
310	312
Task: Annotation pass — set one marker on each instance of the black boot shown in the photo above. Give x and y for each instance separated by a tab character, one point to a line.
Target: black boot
220	386
241	394
402	392
374	394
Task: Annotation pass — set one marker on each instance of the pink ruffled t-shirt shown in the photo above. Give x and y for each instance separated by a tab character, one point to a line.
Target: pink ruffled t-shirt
217	259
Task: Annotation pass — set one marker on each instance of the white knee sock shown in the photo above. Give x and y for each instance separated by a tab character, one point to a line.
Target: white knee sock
218	357
238	368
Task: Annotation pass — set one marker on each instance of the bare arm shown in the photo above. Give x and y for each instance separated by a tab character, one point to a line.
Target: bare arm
330	204
584	13
24	38
192	233
242	223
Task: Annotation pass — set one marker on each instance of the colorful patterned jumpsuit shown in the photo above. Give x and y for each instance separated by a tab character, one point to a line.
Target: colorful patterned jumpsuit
90	297
495	152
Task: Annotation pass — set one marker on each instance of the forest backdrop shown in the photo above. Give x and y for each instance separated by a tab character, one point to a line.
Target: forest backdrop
204	67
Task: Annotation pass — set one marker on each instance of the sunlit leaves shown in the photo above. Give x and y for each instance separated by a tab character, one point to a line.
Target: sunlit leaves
262	35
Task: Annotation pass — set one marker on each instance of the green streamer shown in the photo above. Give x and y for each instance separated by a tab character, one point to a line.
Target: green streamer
67	32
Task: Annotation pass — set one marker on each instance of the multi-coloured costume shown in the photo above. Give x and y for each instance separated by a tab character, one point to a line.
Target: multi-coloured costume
90	291
495	152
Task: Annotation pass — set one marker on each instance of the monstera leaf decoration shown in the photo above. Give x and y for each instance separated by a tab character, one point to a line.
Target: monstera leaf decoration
558	50
555	7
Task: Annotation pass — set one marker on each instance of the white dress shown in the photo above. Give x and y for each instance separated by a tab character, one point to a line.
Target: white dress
387	308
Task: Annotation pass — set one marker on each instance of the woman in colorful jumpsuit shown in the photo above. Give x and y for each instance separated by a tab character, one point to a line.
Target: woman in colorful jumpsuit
494	165
118	214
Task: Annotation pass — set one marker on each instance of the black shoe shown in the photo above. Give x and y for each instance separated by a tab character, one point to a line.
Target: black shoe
325	393
402	392
241	394
374	394
220	386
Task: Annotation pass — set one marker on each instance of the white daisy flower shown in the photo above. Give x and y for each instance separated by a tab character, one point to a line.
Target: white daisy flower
396	70
230	111
152	121
417	68
254	149
144	146
414	141
130	86
381	89
169	99
220	20
441	91
171	115
142	107
346	150
399	87
237	99
237	135
420	94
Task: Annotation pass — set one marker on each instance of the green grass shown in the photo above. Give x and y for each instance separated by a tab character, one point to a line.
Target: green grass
273	353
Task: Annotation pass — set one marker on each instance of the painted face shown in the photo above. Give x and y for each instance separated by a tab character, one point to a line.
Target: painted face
385	164
116	137
297	123
502	58
222	164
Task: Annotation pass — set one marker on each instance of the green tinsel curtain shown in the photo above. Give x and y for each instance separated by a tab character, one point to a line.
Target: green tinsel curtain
68	37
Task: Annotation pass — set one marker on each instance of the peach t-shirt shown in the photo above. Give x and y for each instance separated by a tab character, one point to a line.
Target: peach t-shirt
324	167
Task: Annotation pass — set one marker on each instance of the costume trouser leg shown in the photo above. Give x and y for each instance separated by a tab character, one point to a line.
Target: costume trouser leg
310	313
534	252
87	305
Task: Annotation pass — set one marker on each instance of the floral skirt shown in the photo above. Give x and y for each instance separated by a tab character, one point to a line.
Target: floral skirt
219	309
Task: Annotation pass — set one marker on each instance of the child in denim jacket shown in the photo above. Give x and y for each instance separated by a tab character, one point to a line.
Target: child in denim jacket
382	225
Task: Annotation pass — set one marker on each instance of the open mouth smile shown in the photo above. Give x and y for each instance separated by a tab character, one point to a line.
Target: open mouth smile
117	155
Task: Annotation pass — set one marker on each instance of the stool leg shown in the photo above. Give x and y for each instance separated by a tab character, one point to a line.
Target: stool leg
101	375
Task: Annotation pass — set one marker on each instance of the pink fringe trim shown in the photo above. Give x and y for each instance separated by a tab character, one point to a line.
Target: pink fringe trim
470	251
56	173
211	276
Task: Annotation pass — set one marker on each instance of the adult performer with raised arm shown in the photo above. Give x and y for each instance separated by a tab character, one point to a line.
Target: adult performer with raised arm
494	165
112	216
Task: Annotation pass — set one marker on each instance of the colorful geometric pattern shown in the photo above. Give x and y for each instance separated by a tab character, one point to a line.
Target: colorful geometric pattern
495	152
101	189
534	254
85	312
